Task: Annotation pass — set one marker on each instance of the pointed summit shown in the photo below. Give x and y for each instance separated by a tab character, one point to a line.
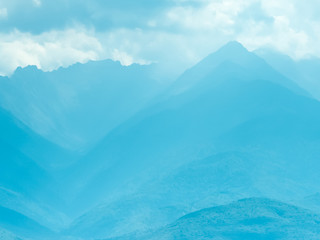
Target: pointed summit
233	57
233	47
235	44
233	51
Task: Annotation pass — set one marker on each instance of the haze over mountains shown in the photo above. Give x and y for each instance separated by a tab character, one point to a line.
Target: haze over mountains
104	151
304	72
74	107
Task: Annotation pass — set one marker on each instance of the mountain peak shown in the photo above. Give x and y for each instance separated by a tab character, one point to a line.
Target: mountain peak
27	71
233	47
232	51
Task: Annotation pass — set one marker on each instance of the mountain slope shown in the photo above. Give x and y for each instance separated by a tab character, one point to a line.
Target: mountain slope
273	130
200	121
22	225
6	235
304	72
18	136
76	106
25	186
230	128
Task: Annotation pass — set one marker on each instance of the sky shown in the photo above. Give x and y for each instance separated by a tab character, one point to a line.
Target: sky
174	33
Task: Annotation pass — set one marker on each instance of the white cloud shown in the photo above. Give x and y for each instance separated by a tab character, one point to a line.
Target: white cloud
37	3
175	51
51	50
3	13
280	36
279	7
179	36
291	31
210	15
125	59
47	51
290	26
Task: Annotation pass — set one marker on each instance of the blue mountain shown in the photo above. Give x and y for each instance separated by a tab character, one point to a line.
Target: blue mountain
100	150
304	72
27	187
231	133
235	53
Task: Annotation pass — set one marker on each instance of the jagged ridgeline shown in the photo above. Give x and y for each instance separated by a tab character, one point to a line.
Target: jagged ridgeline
229	150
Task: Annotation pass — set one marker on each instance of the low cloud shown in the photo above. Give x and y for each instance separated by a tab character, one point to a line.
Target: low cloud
51	50
47	51
174	32
3	13
37	3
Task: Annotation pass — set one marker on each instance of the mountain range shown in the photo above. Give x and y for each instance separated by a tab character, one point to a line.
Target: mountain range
229	150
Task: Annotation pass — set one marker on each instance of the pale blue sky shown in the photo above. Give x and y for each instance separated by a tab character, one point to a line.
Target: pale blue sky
57	33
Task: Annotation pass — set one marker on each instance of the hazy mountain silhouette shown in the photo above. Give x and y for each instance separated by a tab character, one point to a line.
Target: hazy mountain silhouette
304	72
25	186
272	126
230	127
76	106
235	53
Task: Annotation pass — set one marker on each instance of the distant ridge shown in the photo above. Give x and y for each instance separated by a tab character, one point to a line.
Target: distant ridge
305	72
66	105
160	166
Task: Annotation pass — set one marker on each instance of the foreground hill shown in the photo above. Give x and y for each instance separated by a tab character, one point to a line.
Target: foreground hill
251	218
